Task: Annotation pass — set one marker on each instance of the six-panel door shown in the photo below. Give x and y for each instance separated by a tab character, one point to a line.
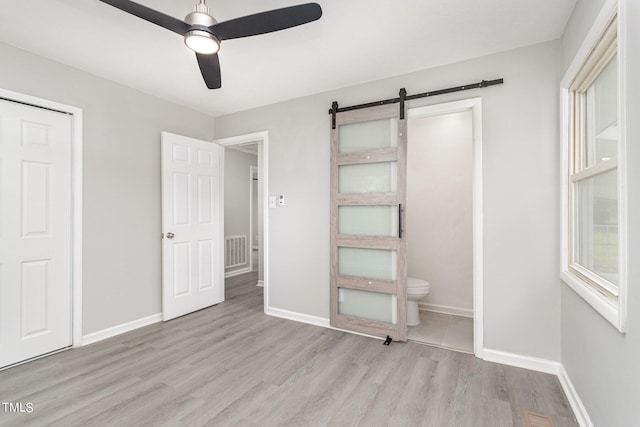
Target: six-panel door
192	263
35	232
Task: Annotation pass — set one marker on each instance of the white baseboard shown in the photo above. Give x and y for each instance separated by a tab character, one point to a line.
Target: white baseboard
237	272
527	362
260	283
298	317
548	367
120	329
445	309
574	400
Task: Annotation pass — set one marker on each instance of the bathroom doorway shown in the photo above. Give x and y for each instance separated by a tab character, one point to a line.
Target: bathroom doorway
443	223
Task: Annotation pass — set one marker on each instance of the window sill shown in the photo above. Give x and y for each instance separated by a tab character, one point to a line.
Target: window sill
608	306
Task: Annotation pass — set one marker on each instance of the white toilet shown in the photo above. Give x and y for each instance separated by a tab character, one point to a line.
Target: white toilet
416	290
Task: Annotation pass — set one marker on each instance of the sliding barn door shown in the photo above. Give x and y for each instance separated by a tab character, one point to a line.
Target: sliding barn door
368	188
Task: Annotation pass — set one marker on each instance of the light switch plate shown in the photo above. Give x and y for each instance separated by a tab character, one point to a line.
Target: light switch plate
272	202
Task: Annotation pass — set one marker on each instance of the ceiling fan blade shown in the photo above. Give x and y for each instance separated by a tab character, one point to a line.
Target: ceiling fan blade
210	69
153	16
267	22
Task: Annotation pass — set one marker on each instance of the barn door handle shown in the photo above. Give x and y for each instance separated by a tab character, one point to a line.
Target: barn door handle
400	220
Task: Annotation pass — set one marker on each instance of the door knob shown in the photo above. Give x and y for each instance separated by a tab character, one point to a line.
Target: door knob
170	235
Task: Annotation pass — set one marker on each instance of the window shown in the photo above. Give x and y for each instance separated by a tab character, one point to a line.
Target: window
593	252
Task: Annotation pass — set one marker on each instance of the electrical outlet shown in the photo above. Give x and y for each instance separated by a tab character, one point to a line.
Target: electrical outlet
281	200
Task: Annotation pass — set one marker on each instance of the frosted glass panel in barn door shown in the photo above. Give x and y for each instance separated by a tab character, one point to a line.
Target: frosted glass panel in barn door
368	266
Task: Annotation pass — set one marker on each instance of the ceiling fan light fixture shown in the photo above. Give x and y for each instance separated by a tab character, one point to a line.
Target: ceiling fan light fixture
202	42
202	32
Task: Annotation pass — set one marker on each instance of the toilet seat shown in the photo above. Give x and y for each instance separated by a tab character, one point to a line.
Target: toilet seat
418	290
417	286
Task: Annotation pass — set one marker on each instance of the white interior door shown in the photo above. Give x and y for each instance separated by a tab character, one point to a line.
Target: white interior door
192	225
35	232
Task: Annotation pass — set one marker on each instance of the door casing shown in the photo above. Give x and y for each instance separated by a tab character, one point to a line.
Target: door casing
253	170
263	166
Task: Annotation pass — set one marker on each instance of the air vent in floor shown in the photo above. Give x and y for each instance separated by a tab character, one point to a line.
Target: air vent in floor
536	420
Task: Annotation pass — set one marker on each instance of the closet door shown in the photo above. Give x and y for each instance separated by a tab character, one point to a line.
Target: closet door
368	189
35	232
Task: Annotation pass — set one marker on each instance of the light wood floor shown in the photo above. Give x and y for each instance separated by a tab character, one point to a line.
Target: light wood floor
231	365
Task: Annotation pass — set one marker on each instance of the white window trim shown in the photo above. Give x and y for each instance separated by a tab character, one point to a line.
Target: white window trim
612	308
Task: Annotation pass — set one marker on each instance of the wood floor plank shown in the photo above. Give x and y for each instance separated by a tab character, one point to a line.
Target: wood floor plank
316	411
386	401
245	409
92	387
415	395
352	410
232	365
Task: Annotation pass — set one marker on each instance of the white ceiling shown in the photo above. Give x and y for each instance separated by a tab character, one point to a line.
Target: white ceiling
355	41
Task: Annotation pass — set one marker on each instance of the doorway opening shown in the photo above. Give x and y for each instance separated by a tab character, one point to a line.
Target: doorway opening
444	224
249	153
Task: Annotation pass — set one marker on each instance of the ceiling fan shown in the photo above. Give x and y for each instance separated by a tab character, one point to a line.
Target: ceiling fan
203	34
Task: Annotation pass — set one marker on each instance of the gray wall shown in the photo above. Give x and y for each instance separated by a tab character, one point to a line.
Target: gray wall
439	208
236	195
521	175
601	362
121	207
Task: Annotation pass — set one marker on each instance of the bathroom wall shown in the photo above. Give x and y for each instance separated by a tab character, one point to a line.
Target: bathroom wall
439	210
520	186
237	186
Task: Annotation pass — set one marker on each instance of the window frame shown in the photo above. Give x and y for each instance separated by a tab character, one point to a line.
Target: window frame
602	43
